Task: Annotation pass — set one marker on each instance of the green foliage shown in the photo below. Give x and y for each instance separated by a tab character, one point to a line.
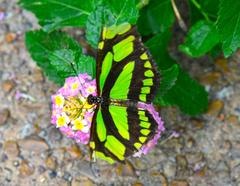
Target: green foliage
186	93
201	39
215	27
54	14
56	53
156	17
228	25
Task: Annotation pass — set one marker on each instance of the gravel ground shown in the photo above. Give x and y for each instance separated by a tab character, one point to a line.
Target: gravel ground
32	152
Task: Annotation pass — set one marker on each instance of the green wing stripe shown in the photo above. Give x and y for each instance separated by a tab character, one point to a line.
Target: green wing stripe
119	116
106	67
121	86
115	147
101	129
102	156
123	48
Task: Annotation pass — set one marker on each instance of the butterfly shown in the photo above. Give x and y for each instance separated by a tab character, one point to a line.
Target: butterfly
126	75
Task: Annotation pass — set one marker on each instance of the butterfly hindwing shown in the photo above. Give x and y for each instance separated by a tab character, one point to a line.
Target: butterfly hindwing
120	131
125	68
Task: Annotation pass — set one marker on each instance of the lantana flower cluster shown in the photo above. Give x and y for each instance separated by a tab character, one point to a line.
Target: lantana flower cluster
72	114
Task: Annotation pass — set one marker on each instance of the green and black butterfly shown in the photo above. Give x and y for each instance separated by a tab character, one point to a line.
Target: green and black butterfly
126	75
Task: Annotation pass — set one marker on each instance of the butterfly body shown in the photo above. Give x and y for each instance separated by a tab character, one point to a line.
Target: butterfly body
126	76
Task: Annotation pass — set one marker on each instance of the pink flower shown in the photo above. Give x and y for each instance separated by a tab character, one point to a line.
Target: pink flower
70	111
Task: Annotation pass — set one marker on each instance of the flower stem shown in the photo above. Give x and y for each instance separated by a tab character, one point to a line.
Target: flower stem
142	4
181	23
198	6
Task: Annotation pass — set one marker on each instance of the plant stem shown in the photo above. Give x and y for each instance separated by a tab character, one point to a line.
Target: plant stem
181	23
198	6
142	4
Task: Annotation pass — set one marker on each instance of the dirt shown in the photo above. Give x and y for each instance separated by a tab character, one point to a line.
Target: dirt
33	152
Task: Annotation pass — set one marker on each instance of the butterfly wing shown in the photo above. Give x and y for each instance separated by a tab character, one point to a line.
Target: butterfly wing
125	71
120	131
125	68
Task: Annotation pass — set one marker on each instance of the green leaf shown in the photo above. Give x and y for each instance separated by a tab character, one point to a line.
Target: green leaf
156	17
228	25
102	16
110	12
54	14
168	79
202	37
70	63
56	53
187	94
123	11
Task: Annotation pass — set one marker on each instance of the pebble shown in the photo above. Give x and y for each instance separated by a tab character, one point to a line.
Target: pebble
54	135
194	157
10	37
74	152
11	149
182	166
37	75
36	145
222	63
198	124
210	78
25	168
169	168
8	85
4	115
215	107
179	183
84	182
51	162
137	184
125	169
52	174
67	176
233	119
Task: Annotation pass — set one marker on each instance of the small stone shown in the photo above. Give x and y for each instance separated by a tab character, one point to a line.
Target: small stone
222	63
137	184
84	182
51	162
54	135
162	177
10	37
37	75
182	166
179	183
41	169
215	107
11	149
26	169
190	142
202	172
36	145
4	115
169	168
67	176
8	85
74	152
233	119
198	124
194	157
125	170
16	163
210	78
52	174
